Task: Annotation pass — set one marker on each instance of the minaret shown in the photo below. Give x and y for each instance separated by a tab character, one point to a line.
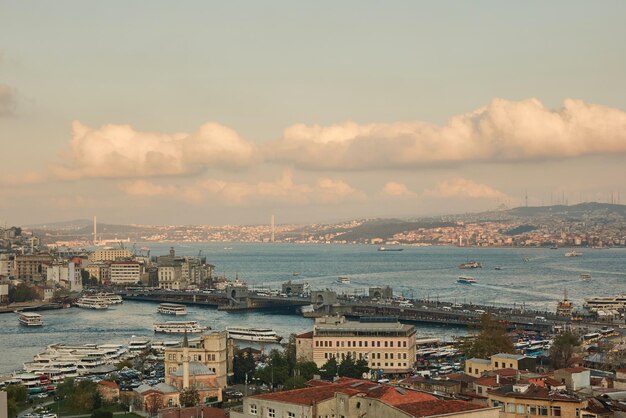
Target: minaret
185	361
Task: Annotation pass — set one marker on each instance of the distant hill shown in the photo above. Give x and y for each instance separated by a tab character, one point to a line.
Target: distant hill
387	228
63	225
578	210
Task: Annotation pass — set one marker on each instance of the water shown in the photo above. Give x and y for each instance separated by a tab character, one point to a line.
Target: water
417	272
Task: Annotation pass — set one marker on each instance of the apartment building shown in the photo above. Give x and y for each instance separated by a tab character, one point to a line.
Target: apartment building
171	276
477	366
27	267
385	343
110	254
66	275
125	272
100	271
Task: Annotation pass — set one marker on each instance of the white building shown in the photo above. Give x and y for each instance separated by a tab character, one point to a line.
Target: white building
126	272
65	275
171	276
4	293
110	254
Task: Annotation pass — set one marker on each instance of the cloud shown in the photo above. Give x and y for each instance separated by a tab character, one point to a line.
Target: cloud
283	190
502	131
120	151
393	189
8	100
463	188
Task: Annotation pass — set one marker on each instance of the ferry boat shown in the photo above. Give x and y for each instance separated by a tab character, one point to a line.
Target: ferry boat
172	309
470	265
381	248
467	280
343	280
138	344
585	277
109	298
179	327
30	319
253	334
617	303
573	253
90	302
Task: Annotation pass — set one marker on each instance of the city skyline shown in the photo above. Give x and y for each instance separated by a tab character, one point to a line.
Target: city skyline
229	114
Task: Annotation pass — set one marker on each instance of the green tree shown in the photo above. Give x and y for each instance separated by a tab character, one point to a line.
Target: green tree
22	293
491	339
99	413
243	363
18	393
124	363
330	369
562	349
11	408
189	397
306	369
295	382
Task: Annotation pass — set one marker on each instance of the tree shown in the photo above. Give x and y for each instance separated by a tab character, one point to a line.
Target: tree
154	402
11	408
562	349
295	382
306	369
491	339
17	393
189	397
243	363
330	369
22	293
124	363
99	413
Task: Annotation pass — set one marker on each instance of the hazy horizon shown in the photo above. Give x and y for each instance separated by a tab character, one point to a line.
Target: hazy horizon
210	113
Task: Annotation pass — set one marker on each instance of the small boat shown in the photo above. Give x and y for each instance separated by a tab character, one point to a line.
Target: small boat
179	327
471	265
498	268
343	280
585	277
253	334
172	309
573	253
381	248
466	280
554	247
525	259
30	319
295	274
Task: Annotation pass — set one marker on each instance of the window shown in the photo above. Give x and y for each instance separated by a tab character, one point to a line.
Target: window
360	343
253	410
390	343
469	370
386	344
543	410
271	413
497	365
555	411
510	365
404	344
291	414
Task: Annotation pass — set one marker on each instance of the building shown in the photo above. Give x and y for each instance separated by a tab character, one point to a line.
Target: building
110	254
4	413
30	267
290	288
574	378
171	275
4	293
386	344
125	272
6	265
477	366
66	275
523	400
618	383
214	350
353	398
101	271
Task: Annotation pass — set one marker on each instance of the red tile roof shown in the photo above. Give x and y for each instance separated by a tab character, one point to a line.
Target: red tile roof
351	387
109	384
204	411
438	407
576	369
305	335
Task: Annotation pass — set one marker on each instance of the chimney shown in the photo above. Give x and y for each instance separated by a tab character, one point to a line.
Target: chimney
497	379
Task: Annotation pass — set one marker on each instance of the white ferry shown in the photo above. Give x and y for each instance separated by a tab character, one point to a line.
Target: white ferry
90	302
162	345
138	344
109	298
343	280
179	327
172	309
585	277
470	265
253	334
30	319
614	302
573	253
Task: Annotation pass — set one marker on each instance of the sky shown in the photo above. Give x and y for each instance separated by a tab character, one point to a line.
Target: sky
202	112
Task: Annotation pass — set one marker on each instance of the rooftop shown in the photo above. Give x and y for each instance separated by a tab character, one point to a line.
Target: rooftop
438	407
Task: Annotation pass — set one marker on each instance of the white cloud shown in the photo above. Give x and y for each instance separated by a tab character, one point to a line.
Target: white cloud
463	188
393	189
121	151
502	131
283	190
8	100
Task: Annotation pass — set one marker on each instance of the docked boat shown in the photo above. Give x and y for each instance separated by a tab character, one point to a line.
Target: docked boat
617	303
90	302
138	344
466	280
585	277
470	265
30	319
179	327
109	298
381	248
172	309
573	253
253	334
343	280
